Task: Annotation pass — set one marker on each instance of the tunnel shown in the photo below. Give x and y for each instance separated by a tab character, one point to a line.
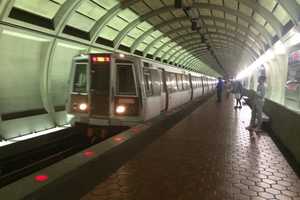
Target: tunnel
231	39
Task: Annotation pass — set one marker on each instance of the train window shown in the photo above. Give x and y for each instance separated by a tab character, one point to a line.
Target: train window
80	80
168	81
148	82
173	82
125	80
179	81
183	82
193	82
200	82
163	80
156	82
146	64
186	83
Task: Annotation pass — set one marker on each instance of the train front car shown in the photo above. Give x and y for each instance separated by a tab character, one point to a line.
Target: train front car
104	90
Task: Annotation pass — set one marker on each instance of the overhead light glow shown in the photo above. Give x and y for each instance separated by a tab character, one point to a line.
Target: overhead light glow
120	109
122	55
279	48
269	55
83	106
293	39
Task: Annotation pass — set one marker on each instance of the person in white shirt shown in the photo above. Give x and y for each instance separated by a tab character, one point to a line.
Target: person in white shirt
257	107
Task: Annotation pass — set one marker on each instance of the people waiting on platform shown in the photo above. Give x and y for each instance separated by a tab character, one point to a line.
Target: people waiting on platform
257	106
237	90
228	87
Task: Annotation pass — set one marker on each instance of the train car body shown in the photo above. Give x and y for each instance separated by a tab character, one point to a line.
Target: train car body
111	89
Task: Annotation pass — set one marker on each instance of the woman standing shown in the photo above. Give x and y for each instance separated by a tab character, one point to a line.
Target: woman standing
238	94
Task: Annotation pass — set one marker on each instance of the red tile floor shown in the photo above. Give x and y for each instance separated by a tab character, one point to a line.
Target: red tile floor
207	155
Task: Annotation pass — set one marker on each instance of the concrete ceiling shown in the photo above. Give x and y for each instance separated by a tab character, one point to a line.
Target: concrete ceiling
228	34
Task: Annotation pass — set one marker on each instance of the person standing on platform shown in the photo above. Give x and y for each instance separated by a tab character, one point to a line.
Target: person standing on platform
257	107
228	87
219	87
238	93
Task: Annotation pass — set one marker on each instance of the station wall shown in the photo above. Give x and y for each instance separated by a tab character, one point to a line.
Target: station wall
34	74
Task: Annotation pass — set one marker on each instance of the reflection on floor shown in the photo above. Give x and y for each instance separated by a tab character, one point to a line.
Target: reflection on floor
208	155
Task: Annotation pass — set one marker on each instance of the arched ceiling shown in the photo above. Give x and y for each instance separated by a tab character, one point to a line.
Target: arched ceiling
229	34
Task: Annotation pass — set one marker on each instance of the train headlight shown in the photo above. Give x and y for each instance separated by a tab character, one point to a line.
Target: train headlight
83	106
120	109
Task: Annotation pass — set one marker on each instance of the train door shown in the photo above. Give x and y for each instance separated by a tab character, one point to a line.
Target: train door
100	85
164	94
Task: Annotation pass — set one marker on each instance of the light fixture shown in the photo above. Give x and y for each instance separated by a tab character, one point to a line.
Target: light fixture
279	48
269	55
83	106
121	55
120	109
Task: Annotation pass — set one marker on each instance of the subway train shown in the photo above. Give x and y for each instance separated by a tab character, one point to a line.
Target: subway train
110	89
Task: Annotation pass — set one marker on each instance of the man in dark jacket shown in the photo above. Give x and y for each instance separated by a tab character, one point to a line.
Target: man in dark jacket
219	87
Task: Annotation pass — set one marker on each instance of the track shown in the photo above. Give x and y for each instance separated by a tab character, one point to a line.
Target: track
70	142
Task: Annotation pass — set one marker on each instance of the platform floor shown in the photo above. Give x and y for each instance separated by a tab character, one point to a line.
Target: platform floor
208	155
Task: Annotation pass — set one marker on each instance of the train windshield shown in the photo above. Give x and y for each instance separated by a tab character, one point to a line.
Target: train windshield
125	80
80	80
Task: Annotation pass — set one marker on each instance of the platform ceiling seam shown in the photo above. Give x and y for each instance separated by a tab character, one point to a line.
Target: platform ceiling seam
194	64
175	52
250	20
153	29
196	34
265	34
192	52
228	30
235	45
187	54
191	49
142	18
292	8
173	40
179	51
190	60
186	61
267	15
111	13
8	5
65	13
184	56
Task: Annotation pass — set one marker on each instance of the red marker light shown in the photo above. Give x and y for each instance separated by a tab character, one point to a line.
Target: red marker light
119	139
41	178
135	130
94	59
88	153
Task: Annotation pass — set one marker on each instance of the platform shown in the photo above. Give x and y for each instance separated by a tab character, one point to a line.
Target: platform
208	155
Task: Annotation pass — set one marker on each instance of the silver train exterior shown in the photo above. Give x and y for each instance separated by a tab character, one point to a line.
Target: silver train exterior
111	89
